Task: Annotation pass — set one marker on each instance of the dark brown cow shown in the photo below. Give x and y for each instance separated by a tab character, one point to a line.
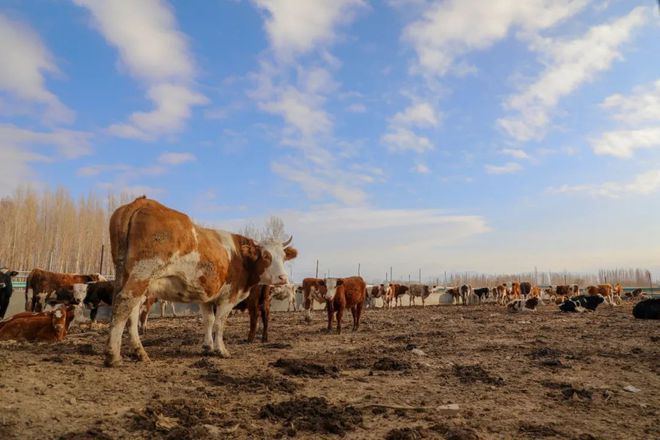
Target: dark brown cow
258	305
159	251
342	294
44	282
455	293
525	289
399	291
421	290
97	293
314	289
44	327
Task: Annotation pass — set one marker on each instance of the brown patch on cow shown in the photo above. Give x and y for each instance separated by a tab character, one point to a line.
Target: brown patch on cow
475	373
313	414
298	367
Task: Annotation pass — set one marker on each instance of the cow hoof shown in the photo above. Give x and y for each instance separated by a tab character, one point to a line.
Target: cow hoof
224	354
142	356
112	362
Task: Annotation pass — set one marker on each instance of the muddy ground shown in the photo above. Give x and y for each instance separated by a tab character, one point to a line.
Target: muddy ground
545	375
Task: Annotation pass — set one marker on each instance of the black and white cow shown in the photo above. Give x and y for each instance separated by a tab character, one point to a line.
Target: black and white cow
525	289
582	303
481	293
647	309
6	289
523	305
97	293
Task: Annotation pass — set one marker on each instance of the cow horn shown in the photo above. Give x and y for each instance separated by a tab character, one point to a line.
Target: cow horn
288	242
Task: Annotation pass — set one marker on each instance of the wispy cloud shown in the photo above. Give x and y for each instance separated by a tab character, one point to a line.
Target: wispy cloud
639	118
402	139
514	152
172	158
25	63
155	52
645	183
507	168
570	64
421	168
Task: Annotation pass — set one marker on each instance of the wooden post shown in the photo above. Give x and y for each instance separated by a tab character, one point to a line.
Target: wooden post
101	263
317	268
420	276
358	269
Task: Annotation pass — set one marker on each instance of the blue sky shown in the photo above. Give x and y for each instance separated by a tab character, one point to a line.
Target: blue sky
443	135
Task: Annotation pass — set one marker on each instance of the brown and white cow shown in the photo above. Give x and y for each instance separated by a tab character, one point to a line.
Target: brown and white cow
418	290
523	305
342	294
36	327
314	289
605	290
516	292
43	282
286	293
159	251
258	305
501	294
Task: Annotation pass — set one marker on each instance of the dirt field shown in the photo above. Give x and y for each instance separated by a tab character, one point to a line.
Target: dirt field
544	375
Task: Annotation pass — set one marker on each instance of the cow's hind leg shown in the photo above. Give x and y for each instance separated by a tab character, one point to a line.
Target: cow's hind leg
134	334
124	304
222	312
208	319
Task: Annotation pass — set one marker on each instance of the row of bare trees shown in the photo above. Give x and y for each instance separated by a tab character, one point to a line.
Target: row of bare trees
53	231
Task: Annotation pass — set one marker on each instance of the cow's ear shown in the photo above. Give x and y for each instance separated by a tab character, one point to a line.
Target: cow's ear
250	251
290	253
340	282
322	282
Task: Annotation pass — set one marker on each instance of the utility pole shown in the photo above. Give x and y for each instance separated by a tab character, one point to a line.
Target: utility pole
317	268
101	263
420	276
390	274
358	269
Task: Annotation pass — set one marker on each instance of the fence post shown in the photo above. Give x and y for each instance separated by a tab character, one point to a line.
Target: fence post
317	268
101	263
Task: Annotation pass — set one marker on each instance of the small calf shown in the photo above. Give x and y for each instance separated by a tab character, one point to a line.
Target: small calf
582	303
647	309
35	327
523	305
345	293
258	305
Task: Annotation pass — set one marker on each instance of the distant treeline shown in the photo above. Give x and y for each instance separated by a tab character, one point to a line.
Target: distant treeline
53	231
634	277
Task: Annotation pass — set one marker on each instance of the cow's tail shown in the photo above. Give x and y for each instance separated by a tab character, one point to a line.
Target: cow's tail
120	230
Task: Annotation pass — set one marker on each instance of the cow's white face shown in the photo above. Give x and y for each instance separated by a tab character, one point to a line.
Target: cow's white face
79	292
277	253
331	286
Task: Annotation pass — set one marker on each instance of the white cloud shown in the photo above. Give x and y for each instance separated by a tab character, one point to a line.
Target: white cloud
514	152
570	63
644	184
421	114
421	169
639	115
402	139
401	238
507	168
19	147
623	143
640	107
297	27
450	29
154	51
25	62
175	158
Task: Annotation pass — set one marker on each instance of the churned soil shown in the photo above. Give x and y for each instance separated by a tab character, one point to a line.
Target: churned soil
543	375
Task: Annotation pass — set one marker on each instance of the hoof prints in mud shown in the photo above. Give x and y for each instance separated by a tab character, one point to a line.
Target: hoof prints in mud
404	434
537	431
390	364
475	373
313	414
177	419
297	367
278	346
255	383
568	391
90	434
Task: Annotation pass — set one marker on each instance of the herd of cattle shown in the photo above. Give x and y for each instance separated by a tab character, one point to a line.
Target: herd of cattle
161	255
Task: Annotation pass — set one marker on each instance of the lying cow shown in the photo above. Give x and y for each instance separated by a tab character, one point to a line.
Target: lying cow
342	294
418	290
581	303
647	309
286	293
6	289
157	250
523	305
44	282
36	327
481	293
314	289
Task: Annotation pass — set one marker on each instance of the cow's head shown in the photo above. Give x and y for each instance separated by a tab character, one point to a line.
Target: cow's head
6	276
267	259
332	285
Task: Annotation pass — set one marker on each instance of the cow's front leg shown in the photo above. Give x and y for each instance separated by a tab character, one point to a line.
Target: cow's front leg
208	318
221	313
